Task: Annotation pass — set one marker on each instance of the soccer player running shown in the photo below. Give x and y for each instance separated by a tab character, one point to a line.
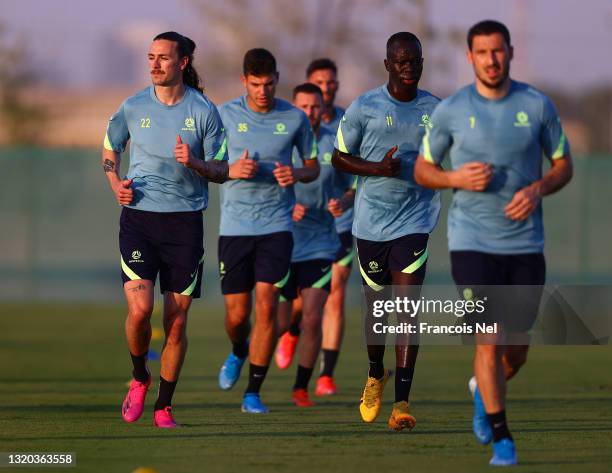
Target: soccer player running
323	73
378	140
255	240
495	132
315	245
177	146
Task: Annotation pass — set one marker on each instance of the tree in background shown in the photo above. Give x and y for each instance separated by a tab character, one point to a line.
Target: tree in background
352	32
20	121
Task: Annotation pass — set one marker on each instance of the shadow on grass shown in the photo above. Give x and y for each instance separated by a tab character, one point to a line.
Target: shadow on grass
165	434
96	380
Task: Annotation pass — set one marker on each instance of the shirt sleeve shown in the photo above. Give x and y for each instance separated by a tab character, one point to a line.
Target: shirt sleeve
553	140
214	143
305	142
117	132
437	139
350	131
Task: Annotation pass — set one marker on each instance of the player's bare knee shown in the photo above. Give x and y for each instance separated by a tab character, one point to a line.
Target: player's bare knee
265	310
140	314
236	318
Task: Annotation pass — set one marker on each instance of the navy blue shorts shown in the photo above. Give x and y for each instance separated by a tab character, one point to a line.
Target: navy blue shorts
377	259
315	273
512	285
245	260
169	243
345	254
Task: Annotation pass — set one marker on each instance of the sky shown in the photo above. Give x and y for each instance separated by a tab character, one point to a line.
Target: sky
557	42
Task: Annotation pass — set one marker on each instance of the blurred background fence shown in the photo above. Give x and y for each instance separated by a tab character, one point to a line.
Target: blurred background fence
59	220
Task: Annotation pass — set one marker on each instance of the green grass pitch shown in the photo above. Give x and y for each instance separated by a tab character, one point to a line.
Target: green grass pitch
64	370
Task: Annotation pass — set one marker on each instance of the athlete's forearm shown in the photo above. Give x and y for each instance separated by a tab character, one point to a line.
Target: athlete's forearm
309	172
557	176
111	163
354	164
348	199
214	171
431	176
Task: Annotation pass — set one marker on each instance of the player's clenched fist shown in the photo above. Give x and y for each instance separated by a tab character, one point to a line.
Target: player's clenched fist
182	153
473	176
284	175
243	168
123	193
523	203
389	166
298	212
335	207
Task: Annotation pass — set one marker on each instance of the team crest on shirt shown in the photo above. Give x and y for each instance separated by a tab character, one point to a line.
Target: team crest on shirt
281	129
425	121
522	120
189	124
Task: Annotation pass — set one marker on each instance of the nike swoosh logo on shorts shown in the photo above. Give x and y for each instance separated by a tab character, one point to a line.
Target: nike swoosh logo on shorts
323	270
417	253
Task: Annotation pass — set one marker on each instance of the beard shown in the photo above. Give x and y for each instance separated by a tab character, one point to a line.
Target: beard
496	83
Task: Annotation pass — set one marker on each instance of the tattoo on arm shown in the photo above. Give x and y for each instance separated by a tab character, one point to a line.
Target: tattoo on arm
216	171
108	165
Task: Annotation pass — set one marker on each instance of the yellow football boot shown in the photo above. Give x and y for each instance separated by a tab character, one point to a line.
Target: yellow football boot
400	417
371	399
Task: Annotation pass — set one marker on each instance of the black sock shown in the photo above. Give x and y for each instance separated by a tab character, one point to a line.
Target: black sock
403	383
377	369
257	374
240	349
164	396
499	426
140	371
303	377
328	362
294	329
376	355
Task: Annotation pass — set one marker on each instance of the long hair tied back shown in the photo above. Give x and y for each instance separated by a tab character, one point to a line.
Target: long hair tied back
185	47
